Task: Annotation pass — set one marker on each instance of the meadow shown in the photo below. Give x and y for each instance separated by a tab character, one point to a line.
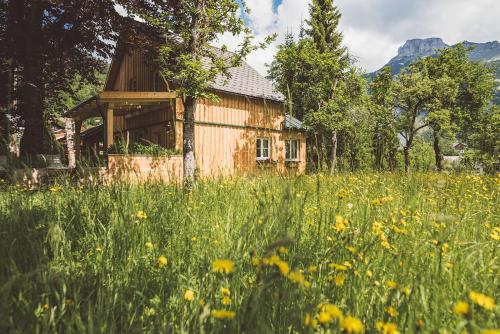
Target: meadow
373	253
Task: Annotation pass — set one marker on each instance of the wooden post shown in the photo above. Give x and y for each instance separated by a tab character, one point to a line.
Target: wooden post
74	142
109	126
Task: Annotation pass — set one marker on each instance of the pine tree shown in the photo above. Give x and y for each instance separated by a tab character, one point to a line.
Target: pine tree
323	29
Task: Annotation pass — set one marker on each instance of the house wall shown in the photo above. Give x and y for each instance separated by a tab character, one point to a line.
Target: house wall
226	132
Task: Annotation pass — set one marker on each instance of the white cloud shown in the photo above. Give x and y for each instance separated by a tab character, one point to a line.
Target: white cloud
374	29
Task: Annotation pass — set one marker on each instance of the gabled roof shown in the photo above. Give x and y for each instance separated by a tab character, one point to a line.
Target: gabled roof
245	80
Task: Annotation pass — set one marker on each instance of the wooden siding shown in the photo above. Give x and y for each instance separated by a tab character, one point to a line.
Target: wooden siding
135	65
226	133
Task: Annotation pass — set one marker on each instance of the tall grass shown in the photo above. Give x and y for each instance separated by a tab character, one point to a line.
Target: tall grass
86	258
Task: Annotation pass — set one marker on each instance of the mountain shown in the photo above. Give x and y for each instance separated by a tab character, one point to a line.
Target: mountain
416	48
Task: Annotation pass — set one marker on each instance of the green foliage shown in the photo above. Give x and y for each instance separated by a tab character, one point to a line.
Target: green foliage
187	57
149	149
385	134
85	258
484	142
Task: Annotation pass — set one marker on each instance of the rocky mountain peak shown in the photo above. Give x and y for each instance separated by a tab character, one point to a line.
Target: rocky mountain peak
421	47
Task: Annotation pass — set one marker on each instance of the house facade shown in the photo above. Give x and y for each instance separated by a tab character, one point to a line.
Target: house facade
245	132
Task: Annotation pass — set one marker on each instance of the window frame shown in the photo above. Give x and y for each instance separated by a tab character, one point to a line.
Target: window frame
288	143
260	148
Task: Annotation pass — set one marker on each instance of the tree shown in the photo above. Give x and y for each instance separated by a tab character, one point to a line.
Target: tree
385	136
48	44
188	59
463	107
308	72
484	143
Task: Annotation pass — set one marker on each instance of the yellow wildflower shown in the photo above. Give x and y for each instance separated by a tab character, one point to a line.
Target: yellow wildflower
406	291
369	273
223	266
149	245
140	215
283	267
189	295
461	308
312	269
325	317
495	234
392	285
339	267
482	300
387	328
299	278
490	331
223	314
340	223
225	291
162	261
339	279
282	250
226	300
351	325
392	311
330	309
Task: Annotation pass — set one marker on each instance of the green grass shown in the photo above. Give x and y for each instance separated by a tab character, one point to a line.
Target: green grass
76	258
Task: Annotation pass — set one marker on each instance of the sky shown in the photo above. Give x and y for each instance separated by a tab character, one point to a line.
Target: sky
374	29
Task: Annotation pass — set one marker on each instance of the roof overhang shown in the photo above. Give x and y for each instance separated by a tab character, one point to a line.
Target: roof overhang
93	106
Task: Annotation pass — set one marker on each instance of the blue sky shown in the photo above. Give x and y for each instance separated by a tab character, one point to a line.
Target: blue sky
375	29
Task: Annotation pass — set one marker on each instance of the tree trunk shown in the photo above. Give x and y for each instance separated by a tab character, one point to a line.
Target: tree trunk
406	152
5	132
437	152
334	153
188	142
31	97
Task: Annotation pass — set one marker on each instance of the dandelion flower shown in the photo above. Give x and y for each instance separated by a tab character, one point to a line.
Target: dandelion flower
282	250
387	328
223	266
392	285
325	318
461	308
225	291
226	300
141	215
339	279
189	295
149	245
351	325
162	261
490	331
392	311
223	314
331	309
482	300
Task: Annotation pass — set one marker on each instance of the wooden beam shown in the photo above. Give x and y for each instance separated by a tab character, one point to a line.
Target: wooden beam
78	141
109	126
134	97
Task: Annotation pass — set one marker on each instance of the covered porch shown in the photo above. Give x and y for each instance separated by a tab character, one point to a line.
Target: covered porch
116	121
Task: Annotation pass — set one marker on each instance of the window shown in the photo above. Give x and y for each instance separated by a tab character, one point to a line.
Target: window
292	150
263	148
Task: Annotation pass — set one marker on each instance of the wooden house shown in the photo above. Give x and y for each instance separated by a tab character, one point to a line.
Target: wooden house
245	132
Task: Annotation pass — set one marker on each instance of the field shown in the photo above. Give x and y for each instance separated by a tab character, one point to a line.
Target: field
379	253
